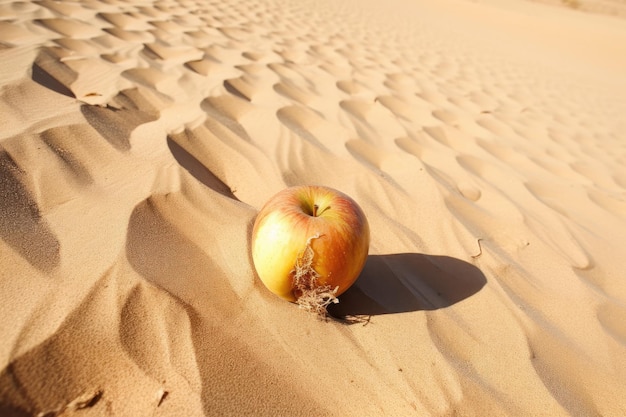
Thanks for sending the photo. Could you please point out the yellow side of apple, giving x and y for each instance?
(273, 258)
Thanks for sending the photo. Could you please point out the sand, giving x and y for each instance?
(485, 141)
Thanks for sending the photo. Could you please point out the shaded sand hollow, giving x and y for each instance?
(485, 140)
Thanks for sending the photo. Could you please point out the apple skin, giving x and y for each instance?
(287, 221)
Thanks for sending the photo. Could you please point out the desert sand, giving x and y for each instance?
(485, 141)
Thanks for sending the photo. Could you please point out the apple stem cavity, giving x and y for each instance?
(316, 208)
(311, 296)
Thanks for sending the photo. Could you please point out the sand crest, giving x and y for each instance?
(484, 140)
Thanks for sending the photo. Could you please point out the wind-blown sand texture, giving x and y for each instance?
(484, 140)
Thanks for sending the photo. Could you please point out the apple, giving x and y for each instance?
(310, 240)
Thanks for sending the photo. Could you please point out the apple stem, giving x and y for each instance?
(315, 208)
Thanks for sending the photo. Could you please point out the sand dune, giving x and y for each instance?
(484, 140)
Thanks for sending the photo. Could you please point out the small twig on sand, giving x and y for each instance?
(162, 394)
(480, 248)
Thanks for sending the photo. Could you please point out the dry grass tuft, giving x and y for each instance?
(312, 296)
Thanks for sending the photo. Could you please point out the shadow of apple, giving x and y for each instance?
(404, 282)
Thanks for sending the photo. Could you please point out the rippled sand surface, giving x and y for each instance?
(485, 141)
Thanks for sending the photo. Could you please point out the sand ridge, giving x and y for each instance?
(139, 140)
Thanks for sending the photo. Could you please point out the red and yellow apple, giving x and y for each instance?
(317, 221)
